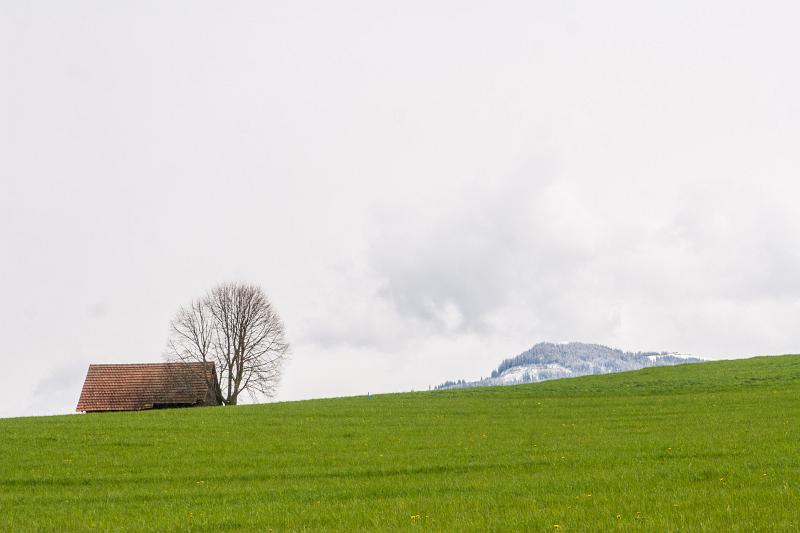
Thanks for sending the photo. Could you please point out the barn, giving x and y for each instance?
(136, 387)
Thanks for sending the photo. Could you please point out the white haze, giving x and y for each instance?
(423, 188)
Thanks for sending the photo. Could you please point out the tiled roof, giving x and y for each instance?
(133, 387)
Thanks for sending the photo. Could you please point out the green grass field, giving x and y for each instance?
(702, 447)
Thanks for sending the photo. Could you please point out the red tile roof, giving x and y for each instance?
(132, 387)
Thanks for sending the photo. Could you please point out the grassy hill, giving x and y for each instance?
(709, 446)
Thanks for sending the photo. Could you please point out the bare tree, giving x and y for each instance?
(236, 327)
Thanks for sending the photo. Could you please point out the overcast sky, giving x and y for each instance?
(422, 188)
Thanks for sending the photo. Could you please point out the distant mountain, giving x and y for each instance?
(547, 360)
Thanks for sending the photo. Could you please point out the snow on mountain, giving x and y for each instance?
(548, 360)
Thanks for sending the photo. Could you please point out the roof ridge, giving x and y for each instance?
(155, 364)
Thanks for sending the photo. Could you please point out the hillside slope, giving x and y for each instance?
(547, 360)
(709, 446)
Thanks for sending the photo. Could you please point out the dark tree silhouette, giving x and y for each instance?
(236, 327)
